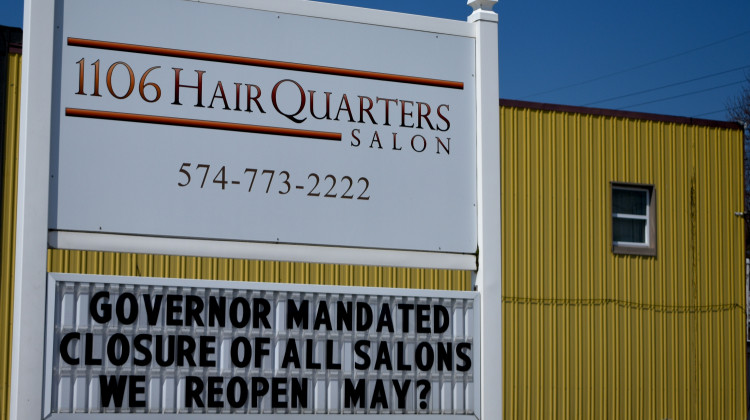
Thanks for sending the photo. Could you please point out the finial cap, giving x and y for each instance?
(482, 4)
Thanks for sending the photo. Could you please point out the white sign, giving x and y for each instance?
(97, 156)
(166, 346)
(191, 120)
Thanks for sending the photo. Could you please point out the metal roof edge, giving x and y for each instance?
(514, 103)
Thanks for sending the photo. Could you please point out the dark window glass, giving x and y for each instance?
(628, 230)
(629, 202)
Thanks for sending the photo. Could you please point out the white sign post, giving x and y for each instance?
(488, 274)
(331, 134)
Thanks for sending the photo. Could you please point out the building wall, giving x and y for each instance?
(110, 263)
(10, 76)
(588, 334)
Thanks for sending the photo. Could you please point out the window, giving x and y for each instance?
(633, 219)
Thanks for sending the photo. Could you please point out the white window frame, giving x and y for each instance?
(647, 248)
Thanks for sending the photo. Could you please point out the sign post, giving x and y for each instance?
(488, 274)
(33, 193)
(347, 136)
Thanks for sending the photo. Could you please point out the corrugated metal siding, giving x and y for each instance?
(109, 263)
(588, 334)
(8, 227)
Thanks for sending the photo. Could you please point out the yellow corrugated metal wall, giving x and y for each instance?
(109, 263)
(592, 335)
(8, 227)
(587, 334)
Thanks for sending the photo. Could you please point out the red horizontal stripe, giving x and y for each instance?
(187, 122)
(258, 62)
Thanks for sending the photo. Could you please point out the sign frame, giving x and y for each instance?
(53, 278)
(115, 161)
(65, 239)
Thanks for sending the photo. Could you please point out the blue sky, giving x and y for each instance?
(671, 57)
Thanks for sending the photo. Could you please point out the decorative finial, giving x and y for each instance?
(482, 4)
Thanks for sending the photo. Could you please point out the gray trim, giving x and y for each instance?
(646, 250)
(615, 113)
